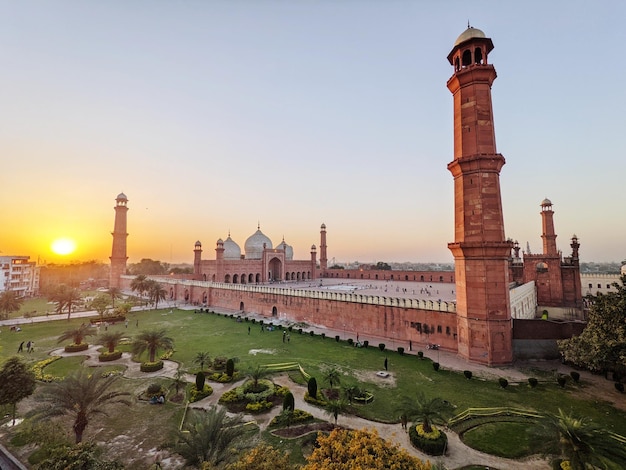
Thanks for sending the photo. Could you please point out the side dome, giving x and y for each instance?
(254, 245)
(231, 249)
(546, 202)
(288, 249)
(469, 33)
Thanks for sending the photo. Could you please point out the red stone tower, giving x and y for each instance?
(323, 257)
(548, 235)
(481, 252)
(118, 252)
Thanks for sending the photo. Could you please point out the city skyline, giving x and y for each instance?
(214, 118)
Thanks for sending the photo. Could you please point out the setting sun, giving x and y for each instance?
(63, 246)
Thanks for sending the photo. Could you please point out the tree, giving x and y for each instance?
(382, 266)
(151, 341)
(335, 408)
(148, 267)
(210, 436)
(9, 303)
(428, 411)
(602, 344)
(82, 456)
(345, 449)
(257, 374)
(202, 358)
(584, 443)
(110, 339)
(263, 457)
(76, 334)
(332, 376)
(179, 380)
(65, 297)
(81, 396)
(156, 292)
(18, 382)
(115, 293)
(139, 284)
(100, 304)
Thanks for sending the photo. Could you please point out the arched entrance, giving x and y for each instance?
(275, 269)
(241, 306)
(274, 311)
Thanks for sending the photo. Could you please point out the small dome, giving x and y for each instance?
(231, 249)
(198, 244)
(121, 197)
(254, 245)
(469, 33)
(288, 249)
(546, 202)
(219, 242)
(323, 227)
(313, 248)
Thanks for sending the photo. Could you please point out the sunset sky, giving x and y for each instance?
(215, 116)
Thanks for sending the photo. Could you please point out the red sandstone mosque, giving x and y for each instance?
(479, 326)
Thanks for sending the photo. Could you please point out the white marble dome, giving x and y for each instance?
(288, 249)
(254, 245)
(469, 33)
(231, 249)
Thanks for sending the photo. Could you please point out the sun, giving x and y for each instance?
(63, 246)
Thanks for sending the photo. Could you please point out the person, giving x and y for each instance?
(248, 330)
(288, 338)
(31, 348)
(21, 348)
(126, 323)
(284, 335)
(404, 421)
(137, 323)
(161, 399)
(28, 346)
(386, 364)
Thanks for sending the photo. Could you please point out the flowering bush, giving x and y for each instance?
(297, 417)
(230, 396)
(432, 435)
(107, 356)
(39, 366)
(259, 406)
(151, 366)
(565, 465)
(195, 394)
(167, 354)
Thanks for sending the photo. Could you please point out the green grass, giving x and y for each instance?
(505, 439)
(223, 336)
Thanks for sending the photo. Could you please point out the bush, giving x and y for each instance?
(435, 446)
(312, 333)
(195, 395)
(259, 407)
(575, 376)
(350, 341)
(219, 363)
(153, 390)
(299, 331)
(420, 354)
(504, 383)
(532, 382)
(70, 348)
(467, 374)
(366, 343)
(323, 335)
(337, 338)
(436, 366)
(290, 328)
(312, 387)
(561, 380)
(401, 350)
(200, 378)
(619, 386)
(230, 367)
(381, 346)
(289, 402)
(107, 356)
(151, 366)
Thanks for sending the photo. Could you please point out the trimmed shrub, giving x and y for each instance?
(107, 356)
(289, 402)
(619, 386)
(200, 378)
(350, 341)
(467, 374)
(70, 348)
(381, 346)
(561, 380)
(420, 354)
(290, 328)
(366, 343)
(312, 333)
(153, 390)
(337, 338)
(259, 406)
(219, 363)
(195, 395)
(532, 382)
(151, 366)
(323, 335)
(430, 446)
(575, 376)
(312, 387)
(401, 350)
(230, 367)
(436, 366)
(504, 383)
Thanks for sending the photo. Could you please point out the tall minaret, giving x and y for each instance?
(118, 252)
(548, 235)
(323, 258)
(481, 252)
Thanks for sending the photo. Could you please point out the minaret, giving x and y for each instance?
(118, 252)
(323, 258)
(548, 235)
(197, 259)
(480, 250)
(313, 262)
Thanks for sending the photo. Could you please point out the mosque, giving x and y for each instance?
(478, 326)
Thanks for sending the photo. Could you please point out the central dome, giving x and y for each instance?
(469, 33)
(231, 249)
(254, 245)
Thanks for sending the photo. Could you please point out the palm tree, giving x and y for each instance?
(9, 303)
(211, 436)
(71, 298)
(257, 374)
(139, 284)
(156, 293)
(77, 334)
(179, 379)
(115, 293)
(110, 339)
(336, 407)
(584, 443)
(332, 376)
(80, 395)
(428, 411)
(151, 341)
(202, 358)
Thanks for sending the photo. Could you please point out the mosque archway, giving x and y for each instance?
(275, 269)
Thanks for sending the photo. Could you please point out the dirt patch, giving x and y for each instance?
(301, 430)
(371, 377)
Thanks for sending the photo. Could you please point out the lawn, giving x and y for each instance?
(221, 335)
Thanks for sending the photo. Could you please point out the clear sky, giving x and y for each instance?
(214, 116)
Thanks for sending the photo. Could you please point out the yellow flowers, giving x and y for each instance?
(38, 369)
(433, 435)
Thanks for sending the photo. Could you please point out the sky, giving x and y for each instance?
(215, 117)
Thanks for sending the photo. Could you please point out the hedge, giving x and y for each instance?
(151, 366)
(108, 356)
(71, 348)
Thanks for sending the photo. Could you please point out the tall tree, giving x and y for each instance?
(139, 284)
(602, 344)
(332, 376)
(76, 334)
(67, 297)
(427, 410)
(156, 292)
(148, 267)
(202, 358)
(115, 293)
(211, 436)
(9, 303)
(18, 382)
(151, 341)
(100, 304)
(81, 396)
(336, 407)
